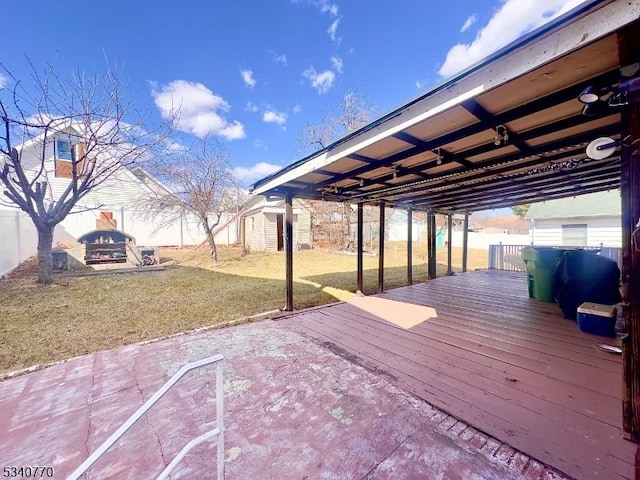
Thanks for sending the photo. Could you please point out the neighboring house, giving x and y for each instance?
(118, 198)
(264, 224)
(591, 220)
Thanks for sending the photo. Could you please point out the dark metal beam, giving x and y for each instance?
(360, 276)
(489, 120)
(504, 117)
(381, 250)
(533, 197)
(503, 186)
(431, 245)
(629, 52)
(449, 243)
(410, 246)
(541, 150)
(288, 250)
(465, 242)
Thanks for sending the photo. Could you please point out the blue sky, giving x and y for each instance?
(254, 73)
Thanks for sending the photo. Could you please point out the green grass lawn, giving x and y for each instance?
(79, 315)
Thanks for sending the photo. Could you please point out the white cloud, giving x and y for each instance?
(261, 144)
(512, 20)
(247, 78)
(252, 107)
(255, 172)
(197, 109)
(325, 6)
(172, 146)
(337, 64)
(282, 58)
(470, 21)
(333, 30)
(296, 109)
(3, 81)
(322, 81)
(271, 116)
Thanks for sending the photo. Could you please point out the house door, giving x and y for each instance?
(280, 231)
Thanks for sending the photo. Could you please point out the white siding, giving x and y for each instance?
(19, 239)
(254, 232)
(605, 231)
(265, 236)
(303, 226)
(270, 232)
(482, 240)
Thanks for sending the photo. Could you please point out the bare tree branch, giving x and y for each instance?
(89, 113)
(198, 182)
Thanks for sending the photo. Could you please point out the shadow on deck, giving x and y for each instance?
(504, 363)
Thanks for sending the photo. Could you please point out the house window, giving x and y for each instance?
(574, 235)
(63, 149)
(65, 156)
(252, 223)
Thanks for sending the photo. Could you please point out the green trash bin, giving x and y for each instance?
(541, 263)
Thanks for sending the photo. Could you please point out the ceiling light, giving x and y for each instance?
(591, 94)
(502, 135)
(601, 148)
(438, 155)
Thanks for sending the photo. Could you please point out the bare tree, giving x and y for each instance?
(352, 113)
(199, 181)
(63, 141)
(332, 220)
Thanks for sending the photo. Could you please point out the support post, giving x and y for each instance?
(381, 250)
(465, 242)
(288, 251)
(360, 276)
(431, 245)
(410, 246)
(629, 51)
(449, 243)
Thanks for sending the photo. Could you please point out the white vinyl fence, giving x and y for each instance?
(18, 239)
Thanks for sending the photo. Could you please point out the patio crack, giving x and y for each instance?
(90, 402)
(146, 415)
(375, 467)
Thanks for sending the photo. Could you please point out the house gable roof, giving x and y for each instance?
(589, 205)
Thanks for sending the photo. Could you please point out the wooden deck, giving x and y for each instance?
(502, 362)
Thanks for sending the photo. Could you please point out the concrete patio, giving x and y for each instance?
(293, 409)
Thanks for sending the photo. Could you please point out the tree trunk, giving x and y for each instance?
(214, 249)
(45, 262)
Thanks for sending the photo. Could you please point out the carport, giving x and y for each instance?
(507, 131)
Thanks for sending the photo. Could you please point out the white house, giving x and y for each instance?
(118, 197)
(591, 220)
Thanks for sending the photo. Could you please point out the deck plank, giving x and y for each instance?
(506, 364)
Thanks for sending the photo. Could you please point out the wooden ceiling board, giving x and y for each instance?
(482, 138)
(445, 122)
(594, 59)
(313, 178)
(558, 112)
(568, 132)
(497, 152)
(425, 157)
(344, 165)
(384, 148)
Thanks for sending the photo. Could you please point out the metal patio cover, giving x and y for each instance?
(443, 151)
